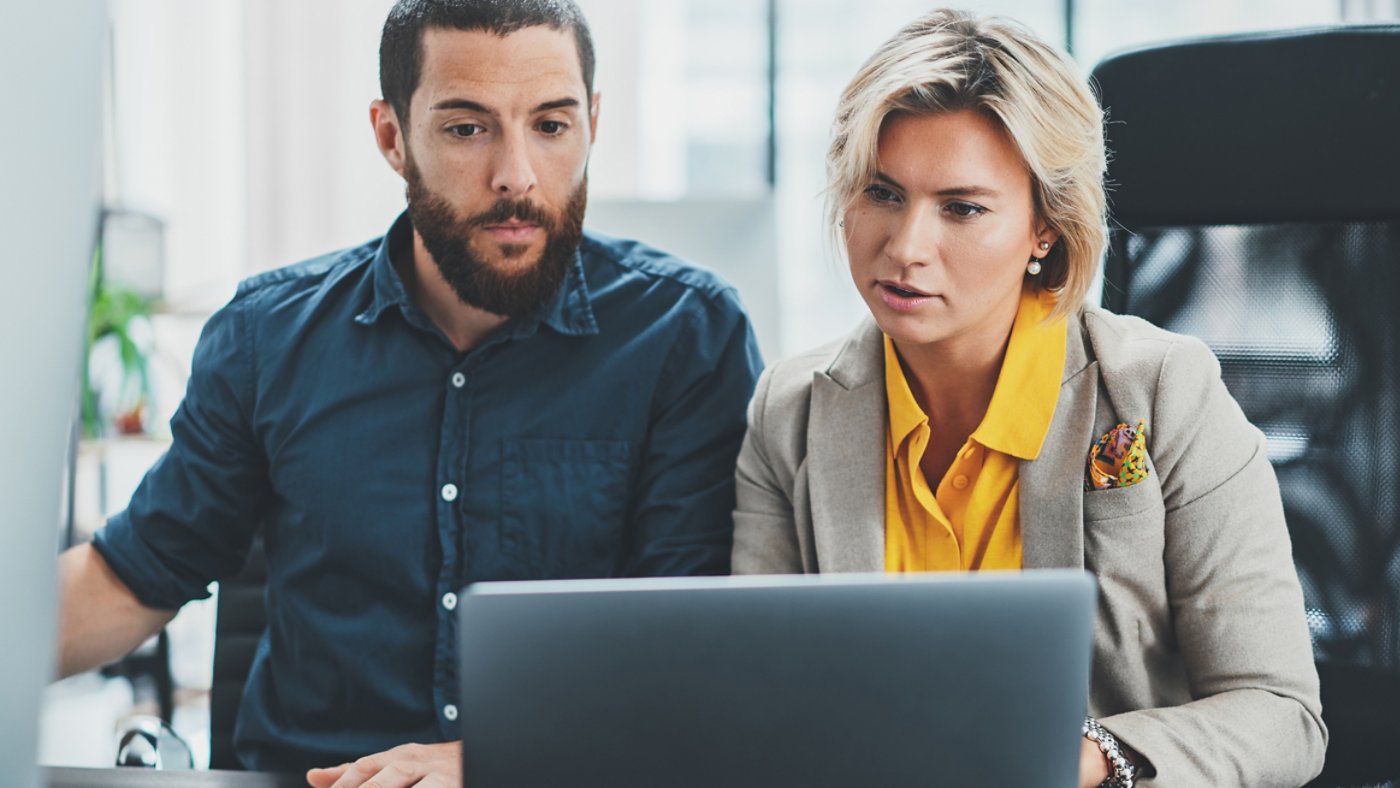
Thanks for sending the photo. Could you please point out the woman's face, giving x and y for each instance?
(939, 241)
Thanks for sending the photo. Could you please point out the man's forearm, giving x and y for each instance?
(100, 619)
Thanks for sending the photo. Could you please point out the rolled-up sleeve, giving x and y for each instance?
(192, 518)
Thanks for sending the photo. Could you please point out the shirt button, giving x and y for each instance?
(449, 600)
(458, 380)
(449, 492)
(959, 482)
(450, 712)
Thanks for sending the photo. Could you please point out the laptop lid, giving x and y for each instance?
(831, 680)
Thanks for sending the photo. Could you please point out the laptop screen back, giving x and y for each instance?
(814, 681)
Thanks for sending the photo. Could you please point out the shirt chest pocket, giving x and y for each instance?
(564, 505)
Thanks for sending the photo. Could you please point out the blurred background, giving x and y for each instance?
(237, 140)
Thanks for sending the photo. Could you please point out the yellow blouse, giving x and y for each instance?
(972, 521)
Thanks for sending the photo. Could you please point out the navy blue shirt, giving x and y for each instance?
(388, 470)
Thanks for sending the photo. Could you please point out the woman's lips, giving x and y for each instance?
(902, 298)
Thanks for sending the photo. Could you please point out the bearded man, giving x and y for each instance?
(485, 393)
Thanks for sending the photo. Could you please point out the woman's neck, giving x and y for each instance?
(953, 380)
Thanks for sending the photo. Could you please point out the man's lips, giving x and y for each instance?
(512, 231)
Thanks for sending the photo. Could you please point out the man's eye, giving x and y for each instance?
(465, 130)
(553, 127)
(881, 194)
(965, 209)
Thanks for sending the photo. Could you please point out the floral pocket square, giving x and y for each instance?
(1119, 459)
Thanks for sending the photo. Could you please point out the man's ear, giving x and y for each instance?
(593, 118)
(388, 134)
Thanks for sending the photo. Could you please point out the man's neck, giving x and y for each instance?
(465, 326)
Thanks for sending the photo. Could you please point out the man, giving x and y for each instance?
(485, 393)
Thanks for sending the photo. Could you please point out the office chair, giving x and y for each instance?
(1254, 186)
(241, 620)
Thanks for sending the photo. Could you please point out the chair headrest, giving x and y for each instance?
(1294, 126)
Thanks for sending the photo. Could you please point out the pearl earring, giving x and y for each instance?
(1044, 246)
(1033, 267)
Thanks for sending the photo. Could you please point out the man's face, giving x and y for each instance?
(495, 158)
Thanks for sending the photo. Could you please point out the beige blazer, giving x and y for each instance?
(1202, 658)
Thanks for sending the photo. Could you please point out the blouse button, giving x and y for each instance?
(959, 482)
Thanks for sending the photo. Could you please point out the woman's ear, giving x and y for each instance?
(1046, 235)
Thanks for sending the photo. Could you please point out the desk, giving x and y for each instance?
(68, 777)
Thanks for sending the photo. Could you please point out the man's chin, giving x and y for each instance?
(510, 258)
(511, 253)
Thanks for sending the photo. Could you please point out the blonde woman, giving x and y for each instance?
(985, 418)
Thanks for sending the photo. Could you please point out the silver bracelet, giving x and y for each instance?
(1123, 770)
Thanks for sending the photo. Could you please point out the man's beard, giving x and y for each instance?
(477, 282)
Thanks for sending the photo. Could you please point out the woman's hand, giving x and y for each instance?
(1093, 765)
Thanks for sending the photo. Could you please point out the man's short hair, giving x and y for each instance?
(401, 45)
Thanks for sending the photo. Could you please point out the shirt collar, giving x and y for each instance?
(570, 311)
(905, 413)
(1028, 386)
(388, 289)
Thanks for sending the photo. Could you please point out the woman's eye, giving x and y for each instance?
(878, 193)
(965, 210)
(465, 130)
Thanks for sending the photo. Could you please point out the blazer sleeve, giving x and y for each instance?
(765, 528)
(1255, 717)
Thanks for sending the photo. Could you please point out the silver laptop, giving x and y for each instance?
(832, 680)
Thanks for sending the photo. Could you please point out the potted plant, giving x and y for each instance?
(116, 377)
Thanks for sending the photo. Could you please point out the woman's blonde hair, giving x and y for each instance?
(951, 60)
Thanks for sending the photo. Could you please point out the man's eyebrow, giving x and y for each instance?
(563, 103)
(474, 106)
(462, 104)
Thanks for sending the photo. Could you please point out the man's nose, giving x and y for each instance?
(513, 175)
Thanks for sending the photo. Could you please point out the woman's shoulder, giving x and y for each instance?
(1129, 348)
(783, 399)
(1173, 381)
(850, 361)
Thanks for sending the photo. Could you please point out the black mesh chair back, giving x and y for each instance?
(1255, 201)
(241, 620)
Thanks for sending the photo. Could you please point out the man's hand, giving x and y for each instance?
(1093, 765)
(422, 765)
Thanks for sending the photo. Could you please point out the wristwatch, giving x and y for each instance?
(1123, 769)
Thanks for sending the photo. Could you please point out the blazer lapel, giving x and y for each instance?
(1052, 485)
(846, 456)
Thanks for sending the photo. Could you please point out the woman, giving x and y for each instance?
(986, 419)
